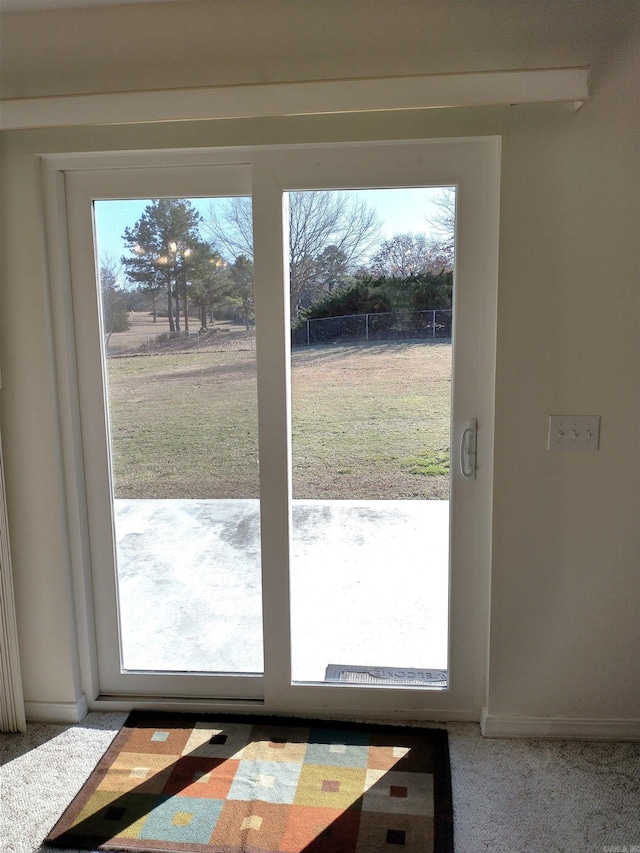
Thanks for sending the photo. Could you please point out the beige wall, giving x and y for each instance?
(565, 581)
(248, 41)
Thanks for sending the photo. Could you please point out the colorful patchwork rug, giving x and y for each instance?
(235, 784)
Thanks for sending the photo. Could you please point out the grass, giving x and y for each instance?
(430, 463)
(368, 422)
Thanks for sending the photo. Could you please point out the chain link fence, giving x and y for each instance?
(351, 328)
(391, 326)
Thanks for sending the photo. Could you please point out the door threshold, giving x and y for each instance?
(127, 702)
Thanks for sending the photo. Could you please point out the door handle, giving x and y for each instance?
(468, 450)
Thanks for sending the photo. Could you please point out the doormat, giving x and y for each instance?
(239, 784)
(386, 675)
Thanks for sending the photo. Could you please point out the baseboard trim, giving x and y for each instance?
(558, 728)
(57, 712)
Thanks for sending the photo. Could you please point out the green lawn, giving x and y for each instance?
(368, 422)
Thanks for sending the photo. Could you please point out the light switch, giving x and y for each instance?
(573, 432)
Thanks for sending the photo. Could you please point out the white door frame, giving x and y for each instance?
(472, 165)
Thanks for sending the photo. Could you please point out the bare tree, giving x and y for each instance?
(443, 223)
(230, 227)
(407, 255)
(317, 219)
(115, 316)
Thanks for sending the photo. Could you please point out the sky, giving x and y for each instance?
(401, 211)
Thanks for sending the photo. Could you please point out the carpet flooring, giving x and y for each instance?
(508, 795)
(221, 784)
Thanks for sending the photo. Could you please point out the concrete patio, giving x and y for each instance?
(369, 585)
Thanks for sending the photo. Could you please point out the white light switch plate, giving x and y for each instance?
(573, 432)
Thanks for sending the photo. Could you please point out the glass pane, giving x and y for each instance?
(371, 303)
(180, 371)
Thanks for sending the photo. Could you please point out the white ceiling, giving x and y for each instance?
(26, 5)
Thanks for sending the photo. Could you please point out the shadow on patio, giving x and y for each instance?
(369, 585)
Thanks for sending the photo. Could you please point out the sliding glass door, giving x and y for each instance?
(276, 370)
(174, 491)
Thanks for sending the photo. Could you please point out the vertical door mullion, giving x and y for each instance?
(271, 287)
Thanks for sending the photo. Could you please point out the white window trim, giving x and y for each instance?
(278, 697)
